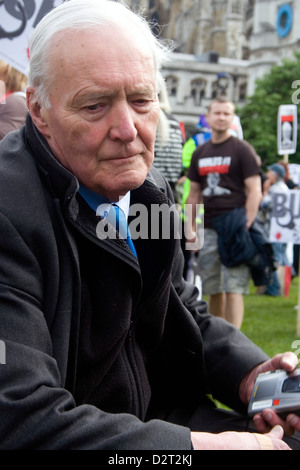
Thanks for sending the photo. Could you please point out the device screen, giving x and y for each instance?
(291, 385)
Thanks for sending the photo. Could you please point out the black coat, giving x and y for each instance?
(152, 344)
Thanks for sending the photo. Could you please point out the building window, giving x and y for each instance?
(172, 85)
(198, 90)
(243, 91)
(237, 7)
(214, 90)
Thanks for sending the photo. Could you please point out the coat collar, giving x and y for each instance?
(62, 183)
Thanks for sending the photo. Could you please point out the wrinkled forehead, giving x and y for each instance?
(97, 60)
(72, 44)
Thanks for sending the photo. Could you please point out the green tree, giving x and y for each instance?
(259, 115)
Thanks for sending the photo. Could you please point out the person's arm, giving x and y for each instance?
(37, 411)
(12, 114)
(253, 197)
(232, 440)
(193, 200)
(270, 426)
(268, 418)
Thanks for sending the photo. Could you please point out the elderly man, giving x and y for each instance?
(106, 348)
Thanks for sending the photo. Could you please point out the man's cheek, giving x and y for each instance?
(78, 132)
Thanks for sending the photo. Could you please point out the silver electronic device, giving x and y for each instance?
(277, 390)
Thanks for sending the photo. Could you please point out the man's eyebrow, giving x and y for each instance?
(144, 90)
(93, 96)
(90, 96)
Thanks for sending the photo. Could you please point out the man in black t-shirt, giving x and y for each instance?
(224, 175)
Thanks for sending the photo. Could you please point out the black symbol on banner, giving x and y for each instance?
(23, 11)
(18, 11)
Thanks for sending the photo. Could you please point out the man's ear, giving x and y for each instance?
(37, 112)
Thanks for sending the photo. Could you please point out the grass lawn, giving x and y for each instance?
(271, 322)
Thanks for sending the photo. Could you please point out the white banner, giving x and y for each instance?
(18, 18)
(294, 171)
(285, 218)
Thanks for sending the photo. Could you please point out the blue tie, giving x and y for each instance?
(117, 218)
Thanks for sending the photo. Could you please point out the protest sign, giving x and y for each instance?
(18, 18)
(285, 217)
(294, 171)
(285, 225)
(287, 129)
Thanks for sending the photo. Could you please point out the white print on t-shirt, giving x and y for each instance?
(213, 165)
(212, 188)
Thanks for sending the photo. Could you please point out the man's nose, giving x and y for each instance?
(123, 123)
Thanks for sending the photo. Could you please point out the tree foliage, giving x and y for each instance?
(259, 115)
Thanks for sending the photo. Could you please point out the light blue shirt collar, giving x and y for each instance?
(101, 204)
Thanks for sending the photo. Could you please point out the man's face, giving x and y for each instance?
(220, 117)
(104, 109)
(272, 176)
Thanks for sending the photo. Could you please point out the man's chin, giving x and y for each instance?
(118, 193)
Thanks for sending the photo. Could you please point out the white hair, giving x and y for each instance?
(163, 128)
(85, 15)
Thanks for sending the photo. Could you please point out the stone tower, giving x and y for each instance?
(199, 26)
(210, 45)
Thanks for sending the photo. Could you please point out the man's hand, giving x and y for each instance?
(240, 441)
(266, 420)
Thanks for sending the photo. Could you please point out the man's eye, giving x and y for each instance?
(142, 103)
(93, 107)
